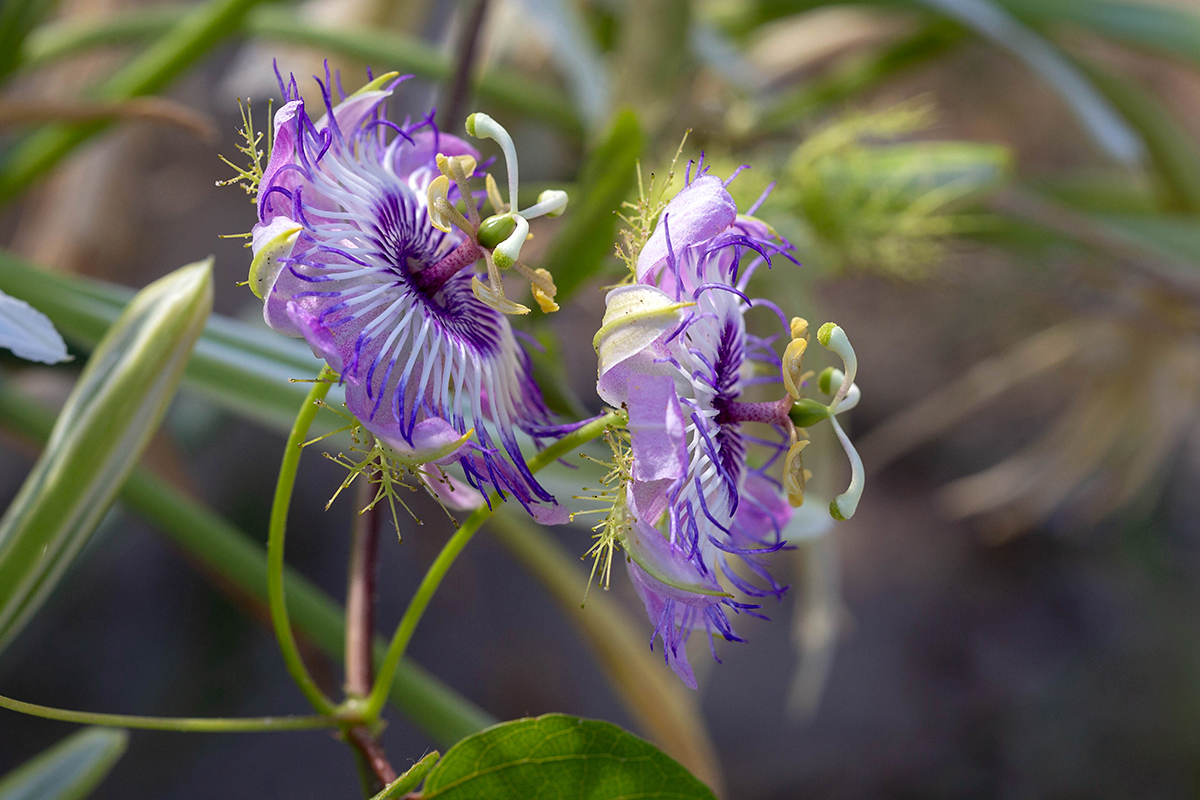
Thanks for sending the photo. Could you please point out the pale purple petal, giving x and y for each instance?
(699, 212)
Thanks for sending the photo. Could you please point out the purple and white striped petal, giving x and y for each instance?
(342, 242)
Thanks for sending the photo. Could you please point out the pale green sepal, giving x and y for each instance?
(107, 421)
(68, 771)
(267, 262)
(640, 551)
(375, 85)
(417, 458)
(635, 317)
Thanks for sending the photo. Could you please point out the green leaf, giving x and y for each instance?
(586, 237)
(556, 756)
(68, 771)
(409, 780)
(108, 420)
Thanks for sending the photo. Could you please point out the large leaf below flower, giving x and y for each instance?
(556, 756)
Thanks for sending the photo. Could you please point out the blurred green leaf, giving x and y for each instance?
(859, 74)
(1172, 150)
(1158, 26)
(556, 756)
(1173, 237)
(177, 49)
(68, 771)
(243, 368)
(66, 37)
(107, 421)
(17, 19)
(383, 49)
(587, 235)
(993, 22)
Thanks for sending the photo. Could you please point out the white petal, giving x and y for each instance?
(29, 333)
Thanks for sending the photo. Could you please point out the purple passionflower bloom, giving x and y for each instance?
(675, 353)
(346, 257)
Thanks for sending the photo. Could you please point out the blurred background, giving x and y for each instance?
(998, 200)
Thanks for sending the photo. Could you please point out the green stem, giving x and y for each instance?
(275, 536)
(237, 565)
(433, 577)
(180, 724)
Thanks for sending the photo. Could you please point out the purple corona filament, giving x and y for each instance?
(347, 258)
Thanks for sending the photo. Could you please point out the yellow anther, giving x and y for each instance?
(793, 367)
(451, 166)
(794, 474)
(545, 300)
(439, 188)
(799, 328)
(496, 299)
(493, 194)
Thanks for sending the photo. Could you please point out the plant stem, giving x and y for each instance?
(275, 536)
(433, 577)
(361, 738)
(237, 565)
(460, 85)
(360, 592)
(179, 724)
(374, 768)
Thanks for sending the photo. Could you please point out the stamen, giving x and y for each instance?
(793, 367)
(460, 168)
(795, 476)
(439, 189)
(448, 213)
(493, 194)
(492, 295)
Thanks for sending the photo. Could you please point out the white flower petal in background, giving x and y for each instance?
(29, 333)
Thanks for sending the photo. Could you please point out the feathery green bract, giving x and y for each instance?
(108, 420)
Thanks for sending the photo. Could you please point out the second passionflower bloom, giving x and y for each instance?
(353, 253)
(697, 518)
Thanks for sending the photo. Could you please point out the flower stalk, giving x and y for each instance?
(276, 532)
(585, 433)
